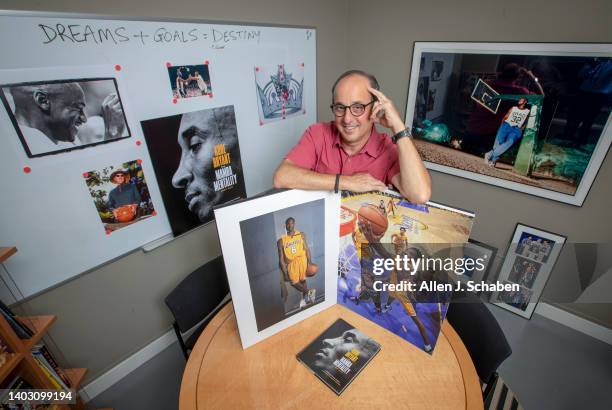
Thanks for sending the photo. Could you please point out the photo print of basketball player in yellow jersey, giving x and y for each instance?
(285, 259)
(295, 262)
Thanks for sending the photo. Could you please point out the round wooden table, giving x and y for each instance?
(221, 375)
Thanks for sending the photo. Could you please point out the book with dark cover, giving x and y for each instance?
(18, 383)
(19, 328)
(23, 332)
(339, 354)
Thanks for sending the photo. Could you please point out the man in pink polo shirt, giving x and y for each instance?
(350, 154)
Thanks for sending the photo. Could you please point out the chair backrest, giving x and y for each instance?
(480, 333)
(198, 294)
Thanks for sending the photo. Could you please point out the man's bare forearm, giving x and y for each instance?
(414, 182)
(289, 175)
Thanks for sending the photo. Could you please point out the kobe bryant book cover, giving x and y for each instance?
(197, 163)
(339, 354)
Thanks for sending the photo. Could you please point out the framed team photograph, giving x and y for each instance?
(281, 265)
(51, 117)
(530, 117)
(530, 259)
(474, 249)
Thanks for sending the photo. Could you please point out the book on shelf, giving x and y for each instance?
(22, 331)
(53, 373)
(55, 381)
(18, 383)
(339, 354)
(54, 366)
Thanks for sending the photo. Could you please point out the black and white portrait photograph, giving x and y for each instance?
(57, 116)
(196, 157)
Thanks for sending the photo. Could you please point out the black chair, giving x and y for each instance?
(197, 296)
(481, 334)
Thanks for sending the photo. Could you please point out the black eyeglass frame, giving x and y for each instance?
(350, 107)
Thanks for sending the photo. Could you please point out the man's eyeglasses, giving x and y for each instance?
(356, 109)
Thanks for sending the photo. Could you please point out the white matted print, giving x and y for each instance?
(280, 92)
(281, 268)
(531, 117)
(531, 256)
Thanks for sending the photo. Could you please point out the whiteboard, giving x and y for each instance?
(47, 210)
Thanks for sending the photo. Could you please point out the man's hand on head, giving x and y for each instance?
(385, 113)
(361, 182)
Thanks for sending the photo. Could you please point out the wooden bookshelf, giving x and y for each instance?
(39, 325)
(75, 376)
(11, 363)
(6, 252)
(21, 362)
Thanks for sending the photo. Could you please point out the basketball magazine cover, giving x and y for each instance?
(379, 225)
(339, 354)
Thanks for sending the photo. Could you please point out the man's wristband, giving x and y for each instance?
(337, 184)
(403, 133)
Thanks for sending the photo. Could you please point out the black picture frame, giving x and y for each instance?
(5, 101)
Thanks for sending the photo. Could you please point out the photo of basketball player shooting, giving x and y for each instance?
(295, 263)
(404, 297)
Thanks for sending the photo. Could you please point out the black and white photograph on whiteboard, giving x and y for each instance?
(189, 81)
(280, 92)
(197, 163)
(120, 195)
(58, 116)
(285, 247)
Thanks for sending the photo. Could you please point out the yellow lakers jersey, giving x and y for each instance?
(362, 245)
(293, 246)
(400, 238)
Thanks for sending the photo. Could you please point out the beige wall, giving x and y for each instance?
(382, 38)
(112, 312)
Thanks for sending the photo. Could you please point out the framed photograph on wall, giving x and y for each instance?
(281, 265)
(474, 249)
(531, 117)
(530, 259)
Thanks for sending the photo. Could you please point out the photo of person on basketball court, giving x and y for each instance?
(295, 262)
(511, 130)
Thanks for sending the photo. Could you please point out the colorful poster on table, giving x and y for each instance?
(399, 229)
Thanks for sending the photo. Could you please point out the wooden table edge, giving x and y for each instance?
(471, 382)
(189, 383)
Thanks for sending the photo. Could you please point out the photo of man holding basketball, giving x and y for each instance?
(295, 263)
